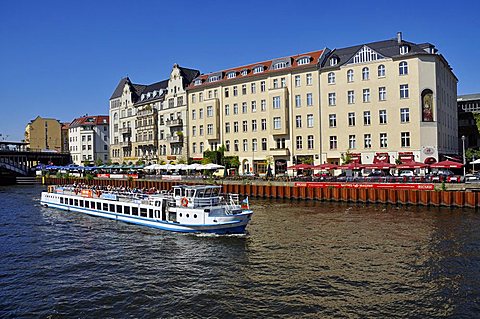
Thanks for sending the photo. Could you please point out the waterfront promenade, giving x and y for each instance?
(425, 194)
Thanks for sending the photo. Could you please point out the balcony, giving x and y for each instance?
(125, 130)
(279, 152)
(174, 138)
(172, 123)
(146, 112)
(126, 144)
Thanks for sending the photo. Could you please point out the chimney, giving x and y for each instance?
(399, 37)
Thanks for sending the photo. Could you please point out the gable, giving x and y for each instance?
(365, 54)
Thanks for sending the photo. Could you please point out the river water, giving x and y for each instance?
(299, 259)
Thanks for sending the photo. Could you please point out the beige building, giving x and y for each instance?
(44, 134)
(265, 113)
(145, 119)
(388, 97)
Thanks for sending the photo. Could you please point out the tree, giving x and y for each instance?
(346, 157)
(98, 162)
(471, 154)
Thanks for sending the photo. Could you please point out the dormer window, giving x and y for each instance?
(231, 75)
(214, 78)
(148, 95)
(244, 72)
(280, 65)
(258, 69)
(143, 97)
(304, 60)
(198, 82)
(404, 49)
(333, 61)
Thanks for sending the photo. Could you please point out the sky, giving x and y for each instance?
(63, 59)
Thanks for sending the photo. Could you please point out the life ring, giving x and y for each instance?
(184, 202)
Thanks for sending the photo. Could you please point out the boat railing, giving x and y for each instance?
(93, 193)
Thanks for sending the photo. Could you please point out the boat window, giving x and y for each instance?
(71, 202)
(119, 209)
(112, 208)
(201, 193)
(105, 206)
(75, 202)
(188, 215)
(143, 212)
(81, 203)
(180, 214)
(194, 215)
(208, 192)
(126, 210)
(99, 205)
(150, 213)
(61, 200)
(87, 204)
(135, 211)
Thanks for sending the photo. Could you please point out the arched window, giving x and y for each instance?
(280, 65)
(115, 116)
(304, 60)
(333, 61)
(350, 76)
(365, 73)
(258, 69)
(404, 49)
(331, 78)
(403, 68)
(231, 75)
(381, 70)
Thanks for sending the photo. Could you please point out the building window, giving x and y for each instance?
(309, 120)
(366, 95)
(209, 94)
(254, 125)
(194, 131)
(235, 127)
(298, 121)
(275, 83)
(310, 142)
(276, 102)
(283, 82)
(299, 143)
(262, 86)
(350, 76)
(263, 105)
(244, 107)
(366, 118)
(235, 108)
(227, 109)
(367, 140)
(254, 145)
(404, 91)
(264, 124)
(194, 98)
(298, 101)
(405, 136)
(351, 97)
(333, 142)
(210, 129)
(331, 78)
(254, 106)
(245, 145)
(404, 49)
(382, 116)
(200, 113)
(403, 68)
(245, 126)
(257, 69)
(297, 80)
(244, 89)
(235, 91)
(383, 140)
(253, 88)
(227, 146)
(264, 144)
(227, 127)
(405, 115)
(214, 78)
(332, 120)
(382, 93)
(305, 60)
(333, 61)
(231, 75)
(277, 125)
(209, 111)
(365, 73)
(309, 99)
(351, 119)
(226, 92)
(200, 130)
(309, 78)
(235, 145)
(351, 142)
(200, 97)
(244, 72)
(332, 99)
(381, 71)
(194, 147)
(201, 147)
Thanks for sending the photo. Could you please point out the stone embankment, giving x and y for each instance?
(452, 195)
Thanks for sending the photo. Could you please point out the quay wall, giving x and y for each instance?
(284, 190)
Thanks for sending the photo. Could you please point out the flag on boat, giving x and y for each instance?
(245, 204)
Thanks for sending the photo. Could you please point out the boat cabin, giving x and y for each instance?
(197, 195)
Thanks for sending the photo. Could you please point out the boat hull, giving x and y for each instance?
(235, 226)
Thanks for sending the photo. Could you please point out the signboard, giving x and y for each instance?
(134, 176)
(109, 196)
(171, 177)
(366, 185)
(103, 175)
(86, 193)
(117, 176)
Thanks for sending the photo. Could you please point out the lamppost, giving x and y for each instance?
(464, 162)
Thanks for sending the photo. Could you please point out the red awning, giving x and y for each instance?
(352, 166)
(300, 166)
(411, 165)
(447, 164)
(380, 165)
(326, 166)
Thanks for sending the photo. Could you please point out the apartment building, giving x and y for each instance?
(45, 134)
(89, 139)
(390, 96)
(146, 119)
(266, 112)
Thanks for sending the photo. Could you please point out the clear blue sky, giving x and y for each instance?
(63, 59)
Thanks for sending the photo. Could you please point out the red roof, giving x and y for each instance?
(90, 120)
(314, 56)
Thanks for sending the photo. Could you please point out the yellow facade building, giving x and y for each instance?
(45, 134)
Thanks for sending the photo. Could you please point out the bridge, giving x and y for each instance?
(18, 160)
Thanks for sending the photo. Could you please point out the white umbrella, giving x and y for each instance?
(182, 166)
(477, 161)
(193, 166)
(213, 166)
(150, 166)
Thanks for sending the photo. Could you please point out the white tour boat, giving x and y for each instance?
(197, 209)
